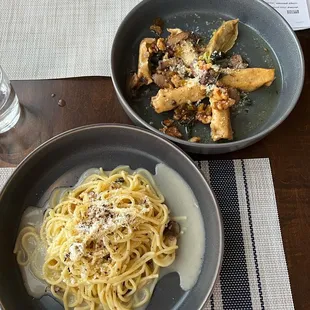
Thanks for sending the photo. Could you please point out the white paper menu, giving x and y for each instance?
(296, 12)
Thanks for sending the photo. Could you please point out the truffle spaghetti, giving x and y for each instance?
(103, 242)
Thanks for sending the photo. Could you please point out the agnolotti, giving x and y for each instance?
(249, 79)
(224, 38)
(220, 125)
(143, 76)
(168, 99)
(199, 82)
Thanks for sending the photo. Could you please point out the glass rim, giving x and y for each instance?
(3, 76)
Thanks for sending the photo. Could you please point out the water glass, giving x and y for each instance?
(9, 104)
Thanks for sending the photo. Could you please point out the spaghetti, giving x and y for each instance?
(104, 242)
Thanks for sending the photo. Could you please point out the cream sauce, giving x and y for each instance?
(183, 207)
(35, 287)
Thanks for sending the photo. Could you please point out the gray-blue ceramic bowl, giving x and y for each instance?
(265, 40)
(60, 161)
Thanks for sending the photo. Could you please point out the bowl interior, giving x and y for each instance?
(60, 162)
(265, 40)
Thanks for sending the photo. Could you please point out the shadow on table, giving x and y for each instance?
(23, 138)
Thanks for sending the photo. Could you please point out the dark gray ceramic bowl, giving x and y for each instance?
(265, 40)
(60, 161)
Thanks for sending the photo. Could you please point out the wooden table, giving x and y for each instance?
(93, 100)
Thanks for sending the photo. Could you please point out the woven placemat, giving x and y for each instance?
(47, 39)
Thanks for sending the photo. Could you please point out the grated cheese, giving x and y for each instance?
(76, 251)
(102, 217)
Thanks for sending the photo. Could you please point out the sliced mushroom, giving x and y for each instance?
(236, 62)
(161, 80)
(234, 94)
(176, 38)
(166, 63)
(173, 229)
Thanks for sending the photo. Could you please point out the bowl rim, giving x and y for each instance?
(169, 144)
(212, 146)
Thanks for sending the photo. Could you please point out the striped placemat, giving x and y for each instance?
(254, 272)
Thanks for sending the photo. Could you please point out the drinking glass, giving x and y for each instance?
(22, 128)
(9, 104)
